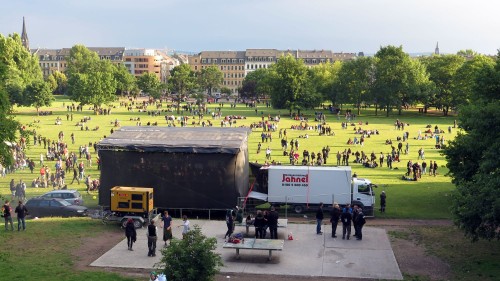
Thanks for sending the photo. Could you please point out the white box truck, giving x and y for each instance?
(305, 187)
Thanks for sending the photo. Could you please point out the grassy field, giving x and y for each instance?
(425, 199)
(43, 251)
(48, 254)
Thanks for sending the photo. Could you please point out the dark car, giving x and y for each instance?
(54, 207)
(72, 196)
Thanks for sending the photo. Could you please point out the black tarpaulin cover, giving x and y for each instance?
(200, 168)
(177, 139)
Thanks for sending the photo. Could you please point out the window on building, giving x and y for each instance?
(195, 67)
(203, 61)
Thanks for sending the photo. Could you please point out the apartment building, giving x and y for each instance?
(235, 65)
(230, 63)
(51, 60)
(140, 61)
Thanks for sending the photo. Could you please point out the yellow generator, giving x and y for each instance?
(132, 202)
(131, 199)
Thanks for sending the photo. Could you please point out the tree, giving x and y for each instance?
(398, 79)
(225, 91)
(355, 79)
(150, 84)
(441, 71)
(19, 67)
(466, 76)
(191, 259)
(210, 78)
(324, 77)
(290, 84)
(90, 80)
(61, 82)
(126, 82)
(256, 84)
(8, 128)
(182, 81)
(473, 162)
(38, 94)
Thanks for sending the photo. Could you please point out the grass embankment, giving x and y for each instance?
(44, 250)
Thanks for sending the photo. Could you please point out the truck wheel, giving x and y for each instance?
(137, 224)
(298, 209)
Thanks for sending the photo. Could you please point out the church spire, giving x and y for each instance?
(436, 51)
(24, 37)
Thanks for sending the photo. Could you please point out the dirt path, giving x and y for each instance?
(411, 256)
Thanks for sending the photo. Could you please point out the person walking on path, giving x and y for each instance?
(346, 219)
(152, 238)
(382, 201)
(335, 216)
(319, 218)
(167, 227)
(21, 215)
(229, 223)
(272, 222)
(75, 176)
(7, 215)
(130, 233)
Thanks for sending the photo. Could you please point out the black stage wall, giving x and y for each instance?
(199, 177)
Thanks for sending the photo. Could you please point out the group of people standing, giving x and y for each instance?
(152, 232)
(349, 216)
(21, 212)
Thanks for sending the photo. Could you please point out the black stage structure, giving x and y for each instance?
(189, 168)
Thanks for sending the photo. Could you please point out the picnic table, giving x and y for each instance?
(256, 244)
(282, 223)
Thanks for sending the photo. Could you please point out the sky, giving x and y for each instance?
(203, 25)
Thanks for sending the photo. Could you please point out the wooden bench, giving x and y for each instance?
(282, 223)
(256, 244)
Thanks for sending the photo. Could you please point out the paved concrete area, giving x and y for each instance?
(308, 254)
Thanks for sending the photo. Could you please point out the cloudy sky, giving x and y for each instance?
(196, 25)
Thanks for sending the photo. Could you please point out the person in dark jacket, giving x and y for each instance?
(152, 238)
(260, 224)
(335, 216)
(319, 218)
(382, 201)
(230, 216)
(272, 222)
(360, 222)
(355, 211)
(130, 233)
(21, 215)
(7, 215)
(346, 218)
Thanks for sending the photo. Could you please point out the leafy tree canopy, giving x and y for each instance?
(126, 82)
(472, 158)
(90, 80)
(210, 78)
(38, 94)
(182, 82)
(149, 83)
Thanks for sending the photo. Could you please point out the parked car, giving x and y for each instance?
(72, 196)
(54, 207)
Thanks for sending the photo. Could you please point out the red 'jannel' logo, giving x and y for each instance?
(295, 178)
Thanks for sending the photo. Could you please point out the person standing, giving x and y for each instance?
(382, 201)
(21, 215)
(167, 227)
(355, 212)
(346, 218)
(319, 218)
(152, 238)
(334, 219)
(7, 215)
(229, 223)
(75, 176)
(130, 233)
(434, 168)
(360, 222)
(260, 224)
(185, 226)
(272, 222)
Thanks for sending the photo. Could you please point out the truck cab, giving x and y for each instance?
(363, 195)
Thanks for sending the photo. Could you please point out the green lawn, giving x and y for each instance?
(428, 198)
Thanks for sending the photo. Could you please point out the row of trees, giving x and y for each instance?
(389, 80)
